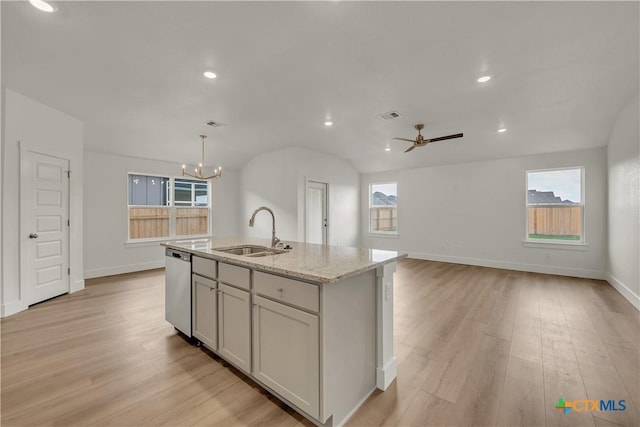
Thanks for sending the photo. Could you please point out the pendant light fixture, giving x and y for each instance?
(199, 171)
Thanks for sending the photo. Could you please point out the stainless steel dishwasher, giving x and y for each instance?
(177, 297)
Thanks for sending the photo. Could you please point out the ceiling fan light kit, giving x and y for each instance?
(199, 171)
(420, 141)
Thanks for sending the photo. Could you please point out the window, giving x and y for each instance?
(383, 208)
(156, 211)
(555, 205)
(149, 210)
(191, 193)
(192, 207)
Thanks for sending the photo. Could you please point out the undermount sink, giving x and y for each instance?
(250, 250)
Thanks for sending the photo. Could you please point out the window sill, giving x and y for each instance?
(384, 235)
(156, 240)
(571, 246)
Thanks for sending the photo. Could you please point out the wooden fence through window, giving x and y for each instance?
(190, 221)
(555, 220)
(384, 218)
(147, 223)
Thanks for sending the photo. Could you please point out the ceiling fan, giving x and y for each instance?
(421, 142)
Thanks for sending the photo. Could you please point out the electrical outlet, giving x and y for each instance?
(388, 291)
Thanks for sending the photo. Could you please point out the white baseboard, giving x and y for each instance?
(533, 268)
(13, 307)
(121, 269)
(76, 285)
(386, 374)
(624, 290)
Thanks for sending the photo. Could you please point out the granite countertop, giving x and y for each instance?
(305, 261)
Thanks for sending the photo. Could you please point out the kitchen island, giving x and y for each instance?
(312, 324)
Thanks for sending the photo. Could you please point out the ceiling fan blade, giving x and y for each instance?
(405, 139)
(410, 148)
(442, 138)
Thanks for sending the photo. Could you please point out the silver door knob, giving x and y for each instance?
(33, 236)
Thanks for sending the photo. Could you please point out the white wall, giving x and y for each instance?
(105, 204)
(344, 186)
(474, 213)
(43, 129)
(225, 204)
(278, 180)
(2, 136)
(623, 158)
(269, 180)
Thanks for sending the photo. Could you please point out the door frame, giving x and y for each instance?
(327, 206)
(25, 290)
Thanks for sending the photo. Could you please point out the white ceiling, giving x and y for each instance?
(132, 71)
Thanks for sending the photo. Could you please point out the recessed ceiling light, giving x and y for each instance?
(210, 75)
(387, 149)
(42, 5)
(328, 123)
(502, 130)
(484, 79)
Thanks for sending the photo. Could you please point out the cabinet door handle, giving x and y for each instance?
(33, 236)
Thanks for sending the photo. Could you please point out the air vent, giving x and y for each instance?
(389, 115)
(215, 124)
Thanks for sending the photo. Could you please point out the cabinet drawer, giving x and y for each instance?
(291, 291)
(233, 275)
(203, 266)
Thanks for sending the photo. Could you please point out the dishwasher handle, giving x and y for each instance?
(183, 256)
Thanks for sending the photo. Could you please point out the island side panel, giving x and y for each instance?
(348, 345)
(387, 365)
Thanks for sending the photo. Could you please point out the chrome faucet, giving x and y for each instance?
(274, 240)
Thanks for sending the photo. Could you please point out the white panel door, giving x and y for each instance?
(316, 213)
(46, 192)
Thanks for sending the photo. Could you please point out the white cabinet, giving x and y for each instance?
(286, 353)
(234, 314)
(221, 314)
(320, 347)
(204, 313)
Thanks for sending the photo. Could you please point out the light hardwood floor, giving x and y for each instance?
(475, 346)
